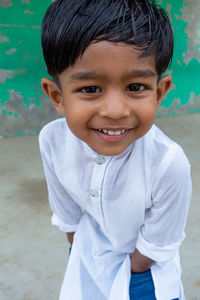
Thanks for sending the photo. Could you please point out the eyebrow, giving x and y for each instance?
(83, 75)
(88, 75)
(140, 73)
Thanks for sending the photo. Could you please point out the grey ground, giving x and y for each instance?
(33, 254)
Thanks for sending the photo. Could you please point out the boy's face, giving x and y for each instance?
(109, 97)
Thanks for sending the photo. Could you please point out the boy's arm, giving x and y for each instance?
(70, 237)
(160, 236)
(140, 263)
(66, 212)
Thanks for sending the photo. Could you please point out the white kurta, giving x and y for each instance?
(138, 199)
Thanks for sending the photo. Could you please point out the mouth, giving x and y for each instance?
(113, 132)
(112, 135)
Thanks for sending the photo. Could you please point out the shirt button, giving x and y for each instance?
(94, 193)
(100, 160)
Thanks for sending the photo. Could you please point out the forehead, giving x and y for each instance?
(111, 59)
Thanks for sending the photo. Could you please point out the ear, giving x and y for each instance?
(53, 91)
(163, 87)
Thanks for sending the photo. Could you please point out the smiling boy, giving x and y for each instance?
(113, 177)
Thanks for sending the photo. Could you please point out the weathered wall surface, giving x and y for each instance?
(184, 96)
(24, 108)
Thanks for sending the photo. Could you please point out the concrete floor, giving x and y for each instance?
(33, 254)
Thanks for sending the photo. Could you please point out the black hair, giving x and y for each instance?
(69, 26)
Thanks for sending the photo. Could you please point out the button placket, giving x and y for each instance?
(96, 184)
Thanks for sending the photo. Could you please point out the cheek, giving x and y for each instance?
(80, 110)
(77, 117)
(146, 116)
(147, 111)
(72, 110)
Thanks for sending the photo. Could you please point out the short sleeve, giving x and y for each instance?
(163, 229)
(66, 212)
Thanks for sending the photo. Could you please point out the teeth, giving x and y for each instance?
(118, 132)
(110, 132)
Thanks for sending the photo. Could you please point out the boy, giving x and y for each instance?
(113, 177)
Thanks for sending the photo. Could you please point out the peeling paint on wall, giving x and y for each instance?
(11, 51)
(4, 39)
(5, 74)
(176, 107)
(5, 3)
(28, 12)
(185, 70)
(191, 17)
(30, 120)
(24, 108)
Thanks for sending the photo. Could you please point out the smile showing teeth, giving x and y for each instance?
(111, 132)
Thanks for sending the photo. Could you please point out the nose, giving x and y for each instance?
(114, 106)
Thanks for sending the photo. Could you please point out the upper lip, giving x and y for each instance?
(113, 128)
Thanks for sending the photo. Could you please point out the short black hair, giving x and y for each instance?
(69, 26)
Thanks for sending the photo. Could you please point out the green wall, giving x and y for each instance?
(24, 108)
(184, 96)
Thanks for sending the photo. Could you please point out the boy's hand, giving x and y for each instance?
(140, 263)
(70, 237)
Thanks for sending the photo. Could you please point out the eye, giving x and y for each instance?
(90, 90)
(136, 87)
